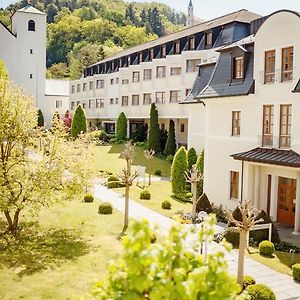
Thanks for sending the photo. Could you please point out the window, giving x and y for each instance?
(174, 96)
(160, 97)
(78, 88)
(31, 51)
(238, 68)
(83, 104)
(111, 101)
(124, 100)
(78, 103)
(31, 25)
(99, 103)
(285, 126)
(234, 185)
(236, 123)
(151, 54)
(84, 87)
(191, 43)
(117, 100)
(147, 98)
(90, 103)
(140, 57)
(269, 76)
(268, 122)
(100, 84)
(91, 85)
(192, 64)
(125, 81)
(208, 39)
(287, 64)
(30, 76)
(73, 89)
(188, 91)
(175, 71)
(177, 47)
(147, 74)
(72, 105)
(117, 80)
(181, 127)
(135, 100)
(135, 76)
(112, 81)
(161, 72)
(163, 51)
(58, 103)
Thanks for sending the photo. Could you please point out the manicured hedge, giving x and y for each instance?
(105, 208)
(296, 272)
(145, 195)
(266, 248)
(88, 198)
(260, 292)
(166, 205)
(232, 235)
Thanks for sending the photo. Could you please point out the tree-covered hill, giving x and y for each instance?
(82, 32)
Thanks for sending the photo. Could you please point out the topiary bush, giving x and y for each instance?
(200, 168)
(40, 121)
(157, 172)
(166, 205)
(266, 248)
(237, 215)
(112, 178)
(183, 197)
(88, 198)
(170, 148)
(260, 292)
(154, 130)
(296, 272)
(113, 184)
(145, 195)
(79, 124)
(203, 204)
(121, 127)
(248, 280)
(179, 166)
(232, 235)
(192, 157)
(105, 208)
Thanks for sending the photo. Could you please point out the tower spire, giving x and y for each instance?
(190, 18)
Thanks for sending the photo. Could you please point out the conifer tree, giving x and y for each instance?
(171, 141)
(79, 124)
(179, 166)
(122, 127)
(192, 157)
(156, 22)
(154, 131)
(40, 121)
(200, 168)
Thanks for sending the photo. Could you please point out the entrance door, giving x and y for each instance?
(285, 200)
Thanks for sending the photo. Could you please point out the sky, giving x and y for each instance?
(209, 9)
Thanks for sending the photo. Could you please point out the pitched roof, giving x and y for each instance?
(288, 158)
(297, 87)
(7, 29)
(30, 9)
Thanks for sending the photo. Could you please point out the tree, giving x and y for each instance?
(79, 124)
(156, 22)
(141, 268)
(179, 166)
(40, 121)
(200, 168)
(58, 71)
(3, 72)
(149, 155)
(130, 14)
(192, 157)
(154, 131)
(122, 127)
(171, 141)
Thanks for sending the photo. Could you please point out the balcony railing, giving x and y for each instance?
(277, 76)
(271, 141)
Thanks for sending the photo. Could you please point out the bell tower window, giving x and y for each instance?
(31, 25)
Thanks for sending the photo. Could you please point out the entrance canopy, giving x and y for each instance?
(288, 158)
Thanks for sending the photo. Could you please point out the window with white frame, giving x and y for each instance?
(192, 65)
(135, 100)
(147, 99)
(174, 96)
(160, 97)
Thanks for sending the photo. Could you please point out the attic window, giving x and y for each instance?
(238, 67)
(208, 39)
(31, 25)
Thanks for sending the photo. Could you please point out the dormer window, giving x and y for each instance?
(208, 39)
(31, 25)
(238, 67)
(177, 47)
(163, 51)
(191, 44)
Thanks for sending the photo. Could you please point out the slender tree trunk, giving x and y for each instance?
(149, 168)
(242, 246)
(9, 220)
(126, 215)
(12, 223)
(194, 199)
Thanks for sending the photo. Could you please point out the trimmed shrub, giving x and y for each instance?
(145, 195)
(40, 121)
(296, 272)
(191, 157)
(163, 136)
(232, 235)
(183, 197)
(220, 213)
(203, 204)
(154, 130)
(79, 122)
(248, 280)
(237, 215)
(88, 198)
(105, 208)
(266, 248)
(112, 178)
(113, 184)
(260, 292)
(122, 127)
(166, 205)
(157, 172)
(170, 148)
(200, 167)
(178, 168)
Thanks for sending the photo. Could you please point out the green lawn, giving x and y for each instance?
(62, 256)
(160, 191)
(107, 158)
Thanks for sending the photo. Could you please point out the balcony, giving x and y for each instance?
(278, 142)
(277, 76)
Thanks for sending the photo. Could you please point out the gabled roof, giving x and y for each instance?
(7, 29)
(297, 87)
(30, 9)
(288, 158)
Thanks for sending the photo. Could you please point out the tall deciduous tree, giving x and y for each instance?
(179, 166)
(122, 127)
(154, 131)
(40, 120)
(79, 124)
(171, 141)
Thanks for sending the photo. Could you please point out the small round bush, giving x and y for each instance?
(248, 280)
(260, 292)
(88, 198)
(145, 195)
(232, 235)
(105, 208)
(113, 184)
(153, 238)
(166, 205)
(112, 178)
(296, 272)
(266, 248)
(157, 172)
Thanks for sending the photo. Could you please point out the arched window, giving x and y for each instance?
(31, 25)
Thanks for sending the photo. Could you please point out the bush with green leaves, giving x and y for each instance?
(266, 248)
(112, 178)
(157, 172)
(200, 168)
(145, 195)
(183, 197)
(113, 184)
(260, 292)
(248, 280)
(203, 204)
(122, 127)
(79, 124)
(232, 235)
(179, 166)
(40, 121)
(192, 157)
(166, 204)
(170, 158)
(88, 198)
(105, 208)
(170, 148)
(296, 272)
(141, 268)
(154, 130)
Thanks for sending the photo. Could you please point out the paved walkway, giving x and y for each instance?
(283, 285)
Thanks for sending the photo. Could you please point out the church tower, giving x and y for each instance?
(190, 19)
